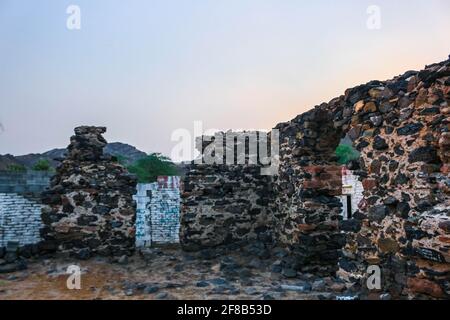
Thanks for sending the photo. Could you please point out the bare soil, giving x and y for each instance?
(157, 274)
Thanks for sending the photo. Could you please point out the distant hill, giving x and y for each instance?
(126, 152)
(7, 160)
(129, 153)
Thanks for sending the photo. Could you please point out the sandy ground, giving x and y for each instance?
(160, 274)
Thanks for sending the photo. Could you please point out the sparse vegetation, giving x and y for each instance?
(121, 159)
(16, 168)
(42, 165)
(346, 153)
(150, 167)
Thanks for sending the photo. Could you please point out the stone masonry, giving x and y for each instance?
(89, 206)
(223, 203)
(401, 127)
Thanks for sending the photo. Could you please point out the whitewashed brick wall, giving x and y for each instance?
(20, 208)
(157, 220)
(20, 219)
(353, 187)
(158, 212)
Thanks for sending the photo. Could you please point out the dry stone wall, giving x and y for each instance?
(307, 209)
(223, 204)
(401, 127)
(89, 208)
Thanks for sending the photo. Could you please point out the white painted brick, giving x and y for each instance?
(20, 219)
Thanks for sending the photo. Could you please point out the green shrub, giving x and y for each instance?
(42, 165)
(346, 153)
(150, 167)
(16, 168)
(121, 159)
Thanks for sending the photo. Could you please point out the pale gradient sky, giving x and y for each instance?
(144, 68)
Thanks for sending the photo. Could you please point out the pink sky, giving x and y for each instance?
(147, 68)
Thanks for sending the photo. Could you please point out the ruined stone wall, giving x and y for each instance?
(401, 128)
(20, 207)
(228, 201)
(223, 204)
(307, 210)
(89, 207)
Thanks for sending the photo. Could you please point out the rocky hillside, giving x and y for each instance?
(125, 151)
(7, 160)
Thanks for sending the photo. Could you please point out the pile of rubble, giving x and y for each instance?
(13, 257)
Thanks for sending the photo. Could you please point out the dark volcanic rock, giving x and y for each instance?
(425, 154)
(401, 129)
(289, 273)
(89, 194)
(409, 129)
(378, 213)
(380, 143)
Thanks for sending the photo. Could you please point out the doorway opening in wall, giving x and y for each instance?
(352, 193)
(349, 207)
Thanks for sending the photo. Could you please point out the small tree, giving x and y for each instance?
(150, 167)
(122, 160)
(42, 165)
(346, 153)
(16, 168)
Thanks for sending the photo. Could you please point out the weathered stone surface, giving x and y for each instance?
(424, 286)
(89, 206)
(425, 154)
(445, 225)
(401, 128)
(388, 245)
(370, 107)
(380, 143)
(409, 129)
(378, 213)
